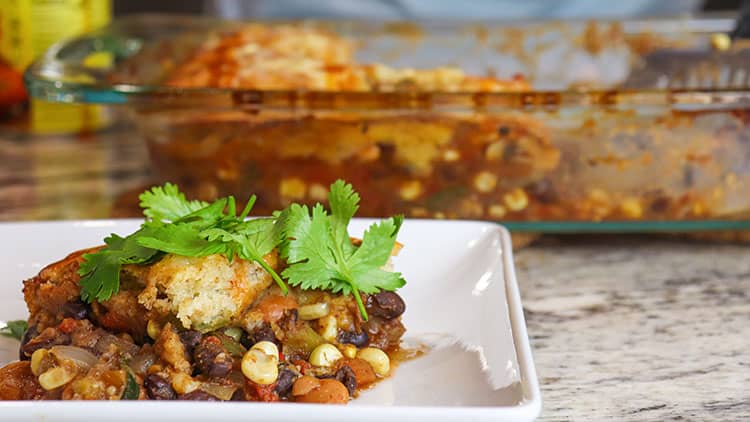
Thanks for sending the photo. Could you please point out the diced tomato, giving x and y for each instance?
(303, 365)
(67, 325)
(266, 392)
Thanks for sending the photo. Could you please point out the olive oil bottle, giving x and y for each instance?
(28, 28)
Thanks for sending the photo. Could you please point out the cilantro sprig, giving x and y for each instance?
(14, 329)
(322, 256)
(178, 226)
(316, 245)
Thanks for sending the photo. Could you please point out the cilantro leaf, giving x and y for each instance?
(322, 256)
(181, 227)
(310, 249)
(372, 254)
(100, 271)
(180, 239)
(316, 245)
(14, 329)
(344, 204)
(167, 203)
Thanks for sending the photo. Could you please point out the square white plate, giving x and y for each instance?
(462, 301)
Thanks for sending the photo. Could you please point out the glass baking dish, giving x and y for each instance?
(571, 148)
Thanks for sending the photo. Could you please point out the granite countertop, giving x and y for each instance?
(638, 328)
(622, 327)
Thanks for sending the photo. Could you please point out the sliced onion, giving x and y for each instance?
(141, 362)
(82, 357)
(107, 339)
(222, 392)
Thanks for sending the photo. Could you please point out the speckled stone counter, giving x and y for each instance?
(623, 328)
(637, 328)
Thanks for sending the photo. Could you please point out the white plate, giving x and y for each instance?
(462, 300)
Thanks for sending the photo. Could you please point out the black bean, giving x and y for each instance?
(198, 395)
(660, 204)
(284, 383)
(388, 305)
(238, 395)
(159, 388)
(359, 339)
(510, 151)
(263, 332)
(76, 310)
(387, 152)
(211, 358)
(30, 333)
(544, 191)
(503, 130)
(346, 376)
(190, 339)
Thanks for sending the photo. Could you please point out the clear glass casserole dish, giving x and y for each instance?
(530, 124)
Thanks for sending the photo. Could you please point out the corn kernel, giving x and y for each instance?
(631, 208)
(418, 212)
(55, 378)
(330, 328)
(36, 360)
(268, 348)
(318, 192)
(599, 195)
(377, 358)
(184, 383)
(259, 367)
(451, 155)
(698, 208)
(411, 190)
(371, 153)
(469, 208)
(494, 151)
(312, 311)
(485, 181)
(721, 41)
(292, 188)
(153, 329)
(349, 350)
(516, 200)
(496, 211)
(325, 355)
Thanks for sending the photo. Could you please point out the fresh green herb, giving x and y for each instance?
(100, 270)
(322, 256)
(316, 244)
(189, 228)
(14, 329)
(132, 390)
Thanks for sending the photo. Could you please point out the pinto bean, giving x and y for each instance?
(362, 371)
(328, 391)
